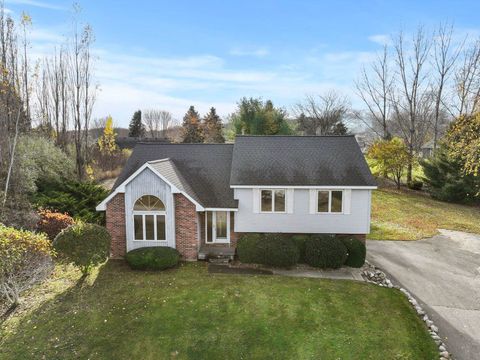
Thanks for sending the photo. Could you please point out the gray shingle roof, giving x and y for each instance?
(167, 168)
(299, 160)
(206, 171)
(204, 167)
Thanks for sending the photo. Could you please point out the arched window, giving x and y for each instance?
(149, 219)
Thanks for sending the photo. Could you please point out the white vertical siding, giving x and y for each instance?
(147, 183)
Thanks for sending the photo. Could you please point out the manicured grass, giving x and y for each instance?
(186, 313)
(397, 215)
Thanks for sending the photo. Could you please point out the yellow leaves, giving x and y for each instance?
(106, 142)
(463, 139)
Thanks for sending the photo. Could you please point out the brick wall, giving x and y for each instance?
(186, 227)
(115, 224)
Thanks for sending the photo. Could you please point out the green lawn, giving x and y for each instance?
(397, 215)
(186, 313)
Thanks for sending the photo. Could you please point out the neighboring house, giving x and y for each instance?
(426, 150)
(198, 198)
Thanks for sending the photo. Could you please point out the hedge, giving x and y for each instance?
(153, 258)
(268, 249)
(356, 251)
(299, 241)
(325, 251)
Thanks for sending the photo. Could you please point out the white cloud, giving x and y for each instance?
(255, 52)
(34, 3)
(381, 39)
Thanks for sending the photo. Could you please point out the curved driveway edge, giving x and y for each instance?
(443, 273)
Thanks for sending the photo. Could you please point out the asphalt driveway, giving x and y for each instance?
(443, 273)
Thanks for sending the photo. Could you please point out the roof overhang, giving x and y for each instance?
(303, 187)
(121, 188)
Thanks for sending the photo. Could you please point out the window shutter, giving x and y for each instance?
(256, 200)
(313, 200)
(289, 194)
(347, 201)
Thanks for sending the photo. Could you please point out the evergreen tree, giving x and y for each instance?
(340, 129)
(213, 128)
(257, 117)
(191, 127)
(136, 127)
(447, 180)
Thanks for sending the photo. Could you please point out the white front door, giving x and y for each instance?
(217, 227)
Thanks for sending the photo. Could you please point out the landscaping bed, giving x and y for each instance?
(187, 313)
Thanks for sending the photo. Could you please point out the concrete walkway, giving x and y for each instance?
(443, 273)
(344, 273)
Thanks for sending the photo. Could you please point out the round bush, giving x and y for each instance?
(356, 251)
(51, 223)
(280, 250)
(84, 245)
(325, 252)
(153, 258)
(251, 249)
(299, 241)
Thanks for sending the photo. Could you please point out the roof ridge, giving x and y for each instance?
(168, 144)
(294, 136)
(159, 160)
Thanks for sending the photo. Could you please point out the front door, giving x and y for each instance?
(217, 227)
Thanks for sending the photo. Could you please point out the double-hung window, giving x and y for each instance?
(272, 200)
(330, 201)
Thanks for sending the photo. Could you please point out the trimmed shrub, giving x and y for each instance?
(153, 258)
(51, 223)
(25, 259)
(251, 249)
(299, 241)
(267, 249)
(280, 250)
(324, 251)
(84, 245)
(356, 251)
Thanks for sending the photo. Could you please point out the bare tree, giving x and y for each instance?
(411, 95)
(157, 121)
(467, 82)
(321, 114)
(82, 91)
(374, 88)
(444, 59)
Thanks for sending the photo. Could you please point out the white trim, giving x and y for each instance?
(273, 201)
(121, 188)
(214, 239)
(221, 209)
(301, 187)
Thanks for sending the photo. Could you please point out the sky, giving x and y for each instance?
(172, 54)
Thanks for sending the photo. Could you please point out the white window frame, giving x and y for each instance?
(273, 201)
(144, 228)
(214, 239)
(330, 202)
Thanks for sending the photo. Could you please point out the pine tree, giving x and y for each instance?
(212, 128)
(136, 127)
(191, 127)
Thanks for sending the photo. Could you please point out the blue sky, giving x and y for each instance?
(171, 54)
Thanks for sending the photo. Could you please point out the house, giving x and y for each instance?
(198, 198)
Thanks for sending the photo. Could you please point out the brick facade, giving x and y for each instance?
(186, 230)
(115, 224)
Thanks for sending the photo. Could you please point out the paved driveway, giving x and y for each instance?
(443, 273)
